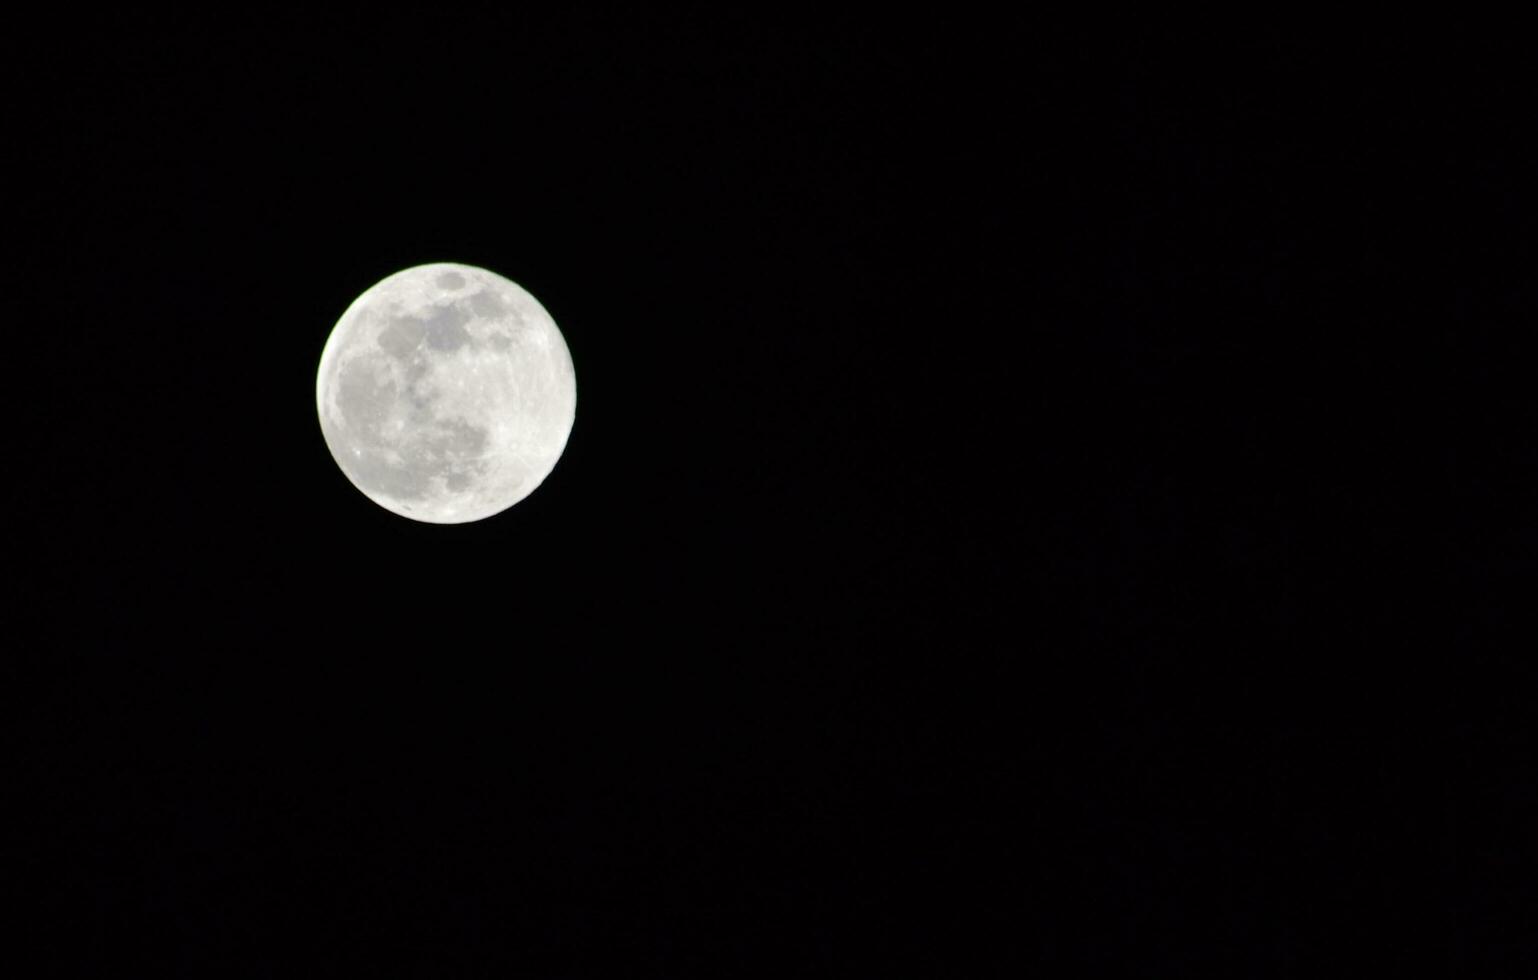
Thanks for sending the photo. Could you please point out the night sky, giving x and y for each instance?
(925, 587)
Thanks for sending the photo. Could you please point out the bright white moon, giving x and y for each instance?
(446, 393)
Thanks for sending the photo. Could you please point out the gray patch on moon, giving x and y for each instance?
(458, 439)
(405, 470)
(450, 280)
(443, 328)
(401, 336)
(363, 397)
(416, 369)
(486, 303)
(446, 328)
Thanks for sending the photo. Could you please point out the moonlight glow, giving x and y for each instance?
(446, 393)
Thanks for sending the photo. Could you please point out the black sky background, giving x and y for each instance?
(927, 585)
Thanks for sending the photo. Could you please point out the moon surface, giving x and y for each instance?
(446, 393)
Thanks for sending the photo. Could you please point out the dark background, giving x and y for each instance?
(926, 585)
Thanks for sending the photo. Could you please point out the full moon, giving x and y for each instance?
(446, 393)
